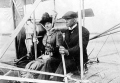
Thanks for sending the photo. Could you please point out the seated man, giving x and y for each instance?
(71, 48)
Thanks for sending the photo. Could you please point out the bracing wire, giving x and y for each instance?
(115, 45)
(99, 50)
(113, 79)
(111, 29)
(102, 47)
(106, 33)
(109, 33)
(117, 52)
(102, 36)
(90, 52)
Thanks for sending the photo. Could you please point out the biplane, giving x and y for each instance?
(100, 70)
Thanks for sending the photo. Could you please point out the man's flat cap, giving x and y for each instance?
(70, 15)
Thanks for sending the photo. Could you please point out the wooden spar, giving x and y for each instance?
(35, 42)
(17, 30)
(14, 24)
(83, 14)
(54, 6)
(55, 15)
(38, 80)
(17, 9)
(32, 71)
(80, 38)
(78, 81)
(27, 79)
(64, 67)
(12, 68)
(8, 72)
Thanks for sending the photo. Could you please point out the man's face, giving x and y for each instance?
(70, 22)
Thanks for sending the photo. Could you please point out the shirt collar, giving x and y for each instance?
(72, 27)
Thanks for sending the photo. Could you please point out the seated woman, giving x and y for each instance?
(51, 40)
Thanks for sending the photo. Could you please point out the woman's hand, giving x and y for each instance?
(46, 57)
(37, 64)
(54, 29)
(29, 64)
(35, 40)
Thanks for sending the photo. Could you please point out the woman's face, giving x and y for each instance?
(28, 22)
(48, 26)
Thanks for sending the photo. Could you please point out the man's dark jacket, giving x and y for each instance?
(72, 44)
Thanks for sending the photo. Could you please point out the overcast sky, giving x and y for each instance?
(107, 12)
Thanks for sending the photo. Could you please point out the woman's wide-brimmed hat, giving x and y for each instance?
(46, 18)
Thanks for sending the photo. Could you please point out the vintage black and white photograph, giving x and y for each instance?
(59, 41)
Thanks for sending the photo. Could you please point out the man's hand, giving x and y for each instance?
(64, 51)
